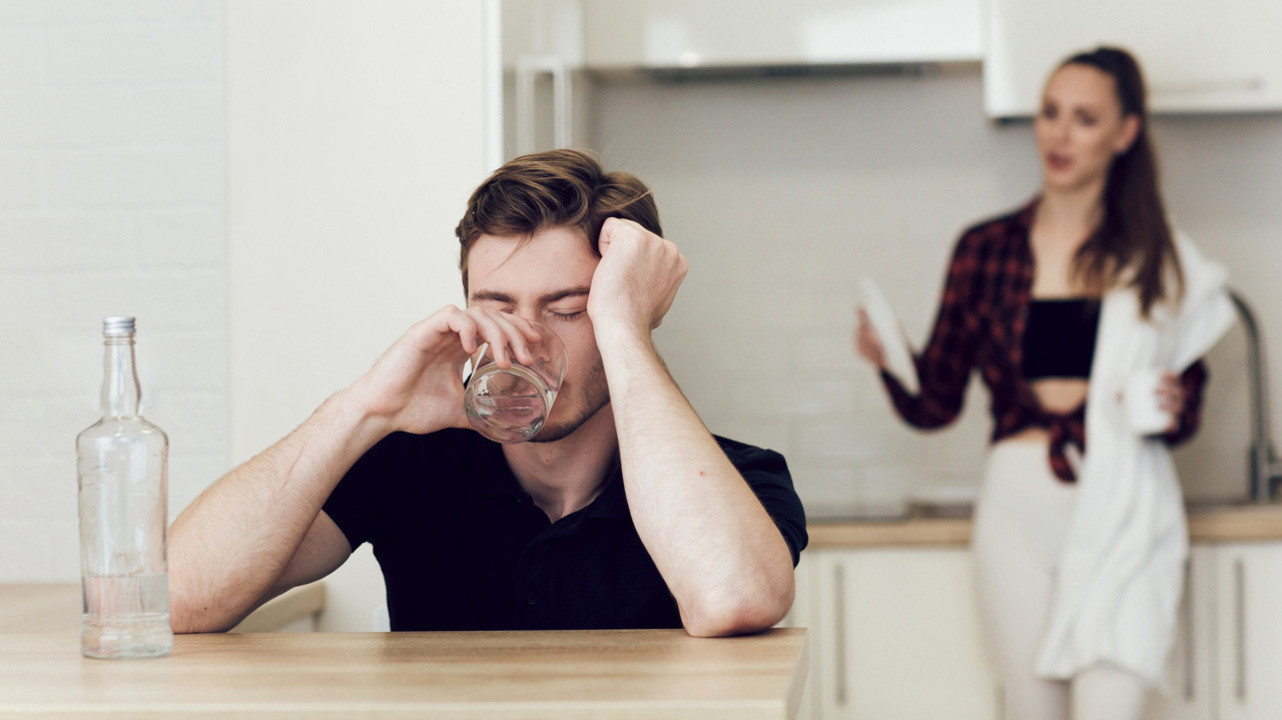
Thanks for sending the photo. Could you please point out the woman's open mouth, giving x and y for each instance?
(1058, 161)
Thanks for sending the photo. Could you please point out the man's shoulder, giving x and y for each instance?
(741, 453)
(767, 475)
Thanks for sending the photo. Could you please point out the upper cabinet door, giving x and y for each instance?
(1197, 55)
(728, 33)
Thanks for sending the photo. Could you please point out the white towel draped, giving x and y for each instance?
(1121, 572)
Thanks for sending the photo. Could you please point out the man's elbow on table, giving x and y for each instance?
(183, 619)
(735, 612)
(196, 613)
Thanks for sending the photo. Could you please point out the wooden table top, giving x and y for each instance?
(563, 674)
(57, 608)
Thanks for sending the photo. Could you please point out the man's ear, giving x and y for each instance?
(1131, 125)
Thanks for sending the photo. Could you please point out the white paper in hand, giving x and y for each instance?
(899, 359)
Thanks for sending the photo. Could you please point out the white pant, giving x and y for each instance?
(1020, 523)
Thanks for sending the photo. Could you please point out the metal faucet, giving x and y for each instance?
(1262, 462)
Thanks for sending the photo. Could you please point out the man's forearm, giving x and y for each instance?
(230, 545)
(716, 547)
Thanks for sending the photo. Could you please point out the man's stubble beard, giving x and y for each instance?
(594, 396)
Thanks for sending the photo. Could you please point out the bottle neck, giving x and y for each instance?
(120, 391)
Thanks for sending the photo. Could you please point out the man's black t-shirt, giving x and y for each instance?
(463, 547)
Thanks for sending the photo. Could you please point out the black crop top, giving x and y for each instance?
(1059, 339)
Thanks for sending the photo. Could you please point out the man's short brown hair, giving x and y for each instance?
(558, 188)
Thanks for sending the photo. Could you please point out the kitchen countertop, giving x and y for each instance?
(1207, 524)
(57, 607)
(564, 674)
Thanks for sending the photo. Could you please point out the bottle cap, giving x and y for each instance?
(117, 326)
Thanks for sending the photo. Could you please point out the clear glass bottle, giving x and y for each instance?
(122, 463)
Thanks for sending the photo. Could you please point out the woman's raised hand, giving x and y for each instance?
(867, 344)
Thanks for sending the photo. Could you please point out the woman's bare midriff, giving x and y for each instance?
(1058, 396)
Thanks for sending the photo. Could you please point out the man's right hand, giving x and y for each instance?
(261, 528)
(417, 385)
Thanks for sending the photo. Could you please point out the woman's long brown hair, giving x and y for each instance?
(1133, 232)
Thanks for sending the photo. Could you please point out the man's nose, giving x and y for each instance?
(528, 315)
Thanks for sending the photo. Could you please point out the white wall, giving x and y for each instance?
(111, 202)
(355, 135)
(781, 191)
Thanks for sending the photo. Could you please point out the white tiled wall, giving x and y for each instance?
(111, 202)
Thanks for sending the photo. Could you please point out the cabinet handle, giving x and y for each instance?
(839, 630)
(561, 102)
(1239, 609)
(1190, 657)
(524, 106)
(528, 68)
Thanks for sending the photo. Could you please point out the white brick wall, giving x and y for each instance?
(111, 202)
(134, 53)
(20, 182)
(20, 56)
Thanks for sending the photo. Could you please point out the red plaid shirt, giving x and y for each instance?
(981, 324)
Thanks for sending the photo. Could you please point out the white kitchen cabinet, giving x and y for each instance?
(721, 33)
(1198, 56)
(1249, 619)
(802, 615)
(1191, 687)
(894, 635)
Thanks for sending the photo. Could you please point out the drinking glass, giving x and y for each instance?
(510, 405)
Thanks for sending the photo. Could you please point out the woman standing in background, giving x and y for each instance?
(1057, 303)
